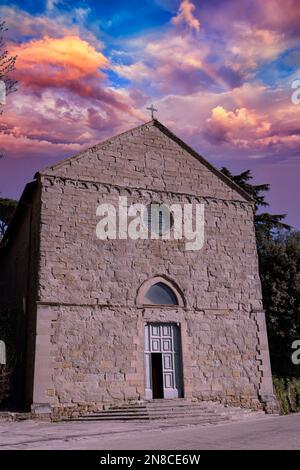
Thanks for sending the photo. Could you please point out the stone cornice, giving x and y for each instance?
(138, 191)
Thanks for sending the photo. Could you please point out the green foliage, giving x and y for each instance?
(7, 208)
(288, 394)
(266, 225)
(253, 190)
(279, 260)
(5, 378)
(279, 264)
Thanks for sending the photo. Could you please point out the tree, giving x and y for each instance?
(279, 265)
(266, 225)
(7, 208)
(7, 65)
(279, 261)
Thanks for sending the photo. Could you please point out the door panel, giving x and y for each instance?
(168, 382)
(167, 362)
(155, 345)
(167, 345)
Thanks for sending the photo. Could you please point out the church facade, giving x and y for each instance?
(113, 321)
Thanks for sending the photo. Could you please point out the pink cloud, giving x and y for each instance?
(273, 15)
(63, 99)
(236, 126)
(65, 75)
(182, 63)
(69, 57)
(64, 118)
(172, 63)
(68, 64)
(64, 102)
(253, 130)
(17, 146)
(277, 16)
(251, 121)
(186, 15)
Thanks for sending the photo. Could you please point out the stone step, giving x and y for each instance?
(125, 408)
(200, 417)
(156, 415)
(170, 408)
(172, 415)
(121, 417)
(179, 409)
(14, 416)
(160, 406)
(180, 405)
(165, 403)
(185, 415)
(118, 413)
(158, 410)
(6, 416)
(180, 418)
(193, 418)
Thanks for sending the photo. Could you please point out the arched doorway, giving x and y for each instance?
(163, 361)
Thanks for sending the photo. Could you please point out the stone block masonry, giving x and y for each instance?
(90, 324)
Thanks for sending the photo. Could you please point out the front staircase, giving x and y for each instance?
(179, 410)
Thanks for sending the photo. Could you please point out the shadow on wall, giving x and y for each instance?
(11, 367)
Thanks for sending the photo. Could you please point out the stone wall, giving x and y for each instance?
(146, 157)
(96, 355)
(92, 330)
(89, 348)
(78, 268)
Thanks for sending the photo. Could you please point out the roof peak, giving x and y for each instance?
(156, 123)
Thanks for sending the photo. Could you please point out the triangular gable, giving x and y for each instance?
(73, 167)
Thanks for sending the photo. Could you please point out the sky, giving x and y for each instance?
(220, 73)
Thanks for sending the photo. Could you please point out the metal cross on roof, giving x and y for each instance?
(153, 110)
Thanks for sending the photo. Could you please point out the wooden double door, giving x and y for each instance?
(163, 370)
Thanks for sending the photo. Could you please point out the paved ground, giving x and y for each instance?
(271, 432)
